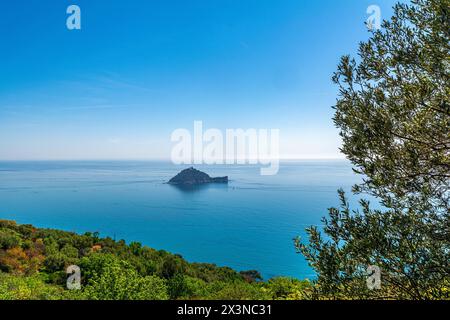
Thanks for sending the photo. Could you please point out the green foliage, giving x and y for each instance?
(238, 290)
(210, 272)
(393, 111)
(282, 288)
(251, 275)
(394, 118)
(112, 279)
(171, 266)
(9, 239)
(196, 288)
(414, 264)
(37, 259)
(178, 287)
(27, 288)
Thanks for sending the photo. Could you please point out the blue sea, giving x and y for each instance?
(248, 224)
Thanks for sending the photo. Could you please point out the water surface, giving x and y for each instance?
(247, 224)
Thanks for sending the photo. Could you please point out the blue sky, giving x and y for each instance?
(137, 70)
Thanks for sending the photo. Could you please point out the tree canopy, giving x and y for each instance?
(393, 114)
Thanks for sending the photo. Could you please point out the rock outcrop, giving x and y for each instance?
(193, 176)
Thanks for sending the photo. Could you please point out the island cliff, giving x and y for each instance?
(193, 176)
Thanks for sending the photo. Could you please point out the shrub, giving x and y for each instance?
(9, 239)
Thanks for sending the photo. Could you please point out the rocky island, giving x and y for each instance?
(193, 176)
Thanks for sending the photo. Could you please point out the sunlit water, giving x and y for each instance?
(247, 224)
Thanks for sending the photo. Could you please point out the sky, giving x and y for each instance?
(138, 70)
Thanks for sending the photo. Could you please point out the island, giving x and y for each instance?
(192, 176)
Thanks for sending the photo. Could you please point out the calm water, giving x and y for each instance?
(248, 224)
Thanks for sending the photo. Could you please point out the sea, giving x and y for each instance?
(247, 224)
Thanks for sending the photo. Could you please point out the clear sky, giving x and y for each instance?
(137, 70)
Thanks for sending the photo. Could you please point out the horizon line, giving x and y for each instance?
(159, 159)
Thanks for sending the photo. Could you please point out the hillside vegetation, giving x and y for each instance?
(33, 265)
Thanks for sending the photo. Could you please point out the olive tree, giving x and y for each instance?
(393, 114)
